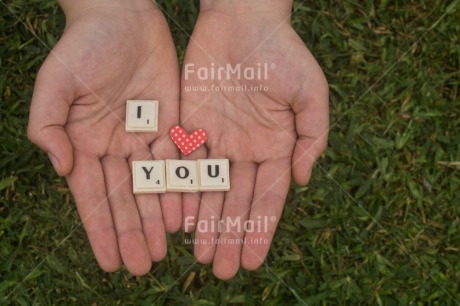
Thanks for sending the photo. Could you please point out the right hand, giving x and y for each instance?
(110, 51)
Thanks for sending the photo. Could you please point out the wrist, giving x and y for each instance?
(72, 7)
(235, 7)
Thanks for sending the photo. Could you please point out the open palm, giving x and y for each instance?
(108, 54)
(271, 126)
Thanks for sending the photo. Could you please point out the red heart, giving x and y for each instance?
(185, 142)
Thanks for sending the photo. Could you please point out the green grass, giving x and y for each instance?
(379, 223)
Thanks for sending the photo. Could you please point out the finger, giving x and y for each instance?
(171, 208)
(151, 216)
(131, 241)
(206, 227)
(190, 208)
(237, 205)
(206, 231)
(311, 108)
(86, 181)
(52, 97)
(272, 186)
(191, 200)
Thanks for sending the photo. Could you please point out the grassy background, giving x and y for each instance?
(378, 224)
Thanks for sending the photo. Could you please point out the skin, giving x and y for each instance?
(98, 64)
(268, 136)
(112, 51)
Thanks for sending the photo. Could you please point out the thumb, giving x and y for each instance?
(51, 100)
(311, 108)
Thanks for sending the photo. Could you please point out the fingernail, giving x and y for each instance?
(55, 162)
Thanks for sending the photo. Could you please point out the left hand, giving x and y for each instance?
(267, 135)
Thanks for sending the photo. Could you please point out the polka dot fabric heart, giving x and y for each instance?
(185, 142)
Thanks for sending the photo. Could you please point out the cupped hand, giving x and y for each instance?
(271, 125)
(110, 51)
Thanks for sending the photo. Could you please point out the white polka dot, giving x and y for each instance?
(175, 135)
(186, 140)
(183, 143)
(194, 140)
(180, 131)
(186, 148)
(202, 141)
(199, 137)
(191, 136)
(179, 139)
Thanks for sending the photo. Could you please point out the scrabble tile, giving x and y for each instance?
(214, 174)
(141, 116)
(149, 176)
(181, 175)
